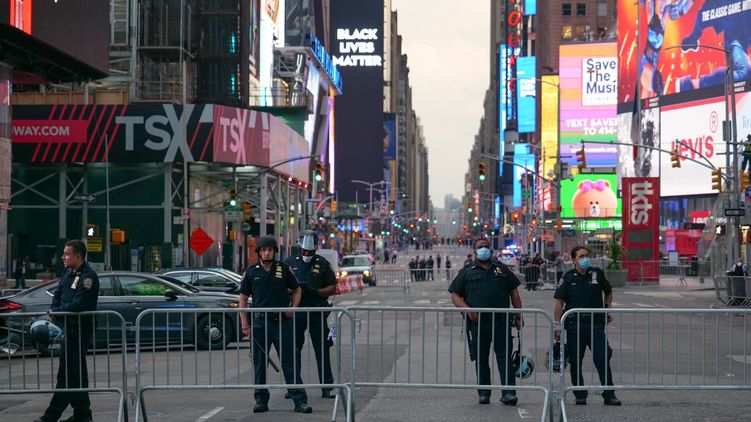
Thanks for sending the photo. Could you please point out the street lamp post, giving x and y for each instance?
(370, 188)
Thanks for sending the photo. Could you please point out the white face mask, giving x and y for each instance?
(306, 259)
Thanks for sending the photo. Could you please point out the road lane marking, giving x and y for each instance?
(524, 413)
(422, 302)
(206, 416)
(347, 302)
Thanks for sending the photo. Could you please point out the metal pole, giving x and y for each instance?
(107, 234)
(727, 138)
(186, 215)
(264, 203)
(734, 135)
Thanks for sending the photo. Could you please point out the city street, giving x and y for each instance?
(382, 364)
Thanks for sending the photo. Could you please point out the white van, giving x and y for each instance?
(332, 256)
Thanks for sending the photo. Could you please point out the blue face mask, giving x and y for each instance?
(483, 254)
(584, 263)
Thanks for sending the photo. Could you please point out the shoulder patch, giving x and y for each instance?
(87, 283)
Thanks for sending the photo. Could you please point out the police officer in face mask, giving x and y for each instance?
(485, 284)
(318, 282)
(585, 287)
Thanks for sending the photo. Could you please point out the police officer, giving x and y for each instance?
(318, 282)
(267, 283)
(77, 291)
(485, 284)
(584, 287)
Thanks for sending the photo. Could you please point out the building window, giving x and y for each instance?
(602, 9)
(567, 32)
(581, 33)
(602, 32)
(581, 9)
(566, 9)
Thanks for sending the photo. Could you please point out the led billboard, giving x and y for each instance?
(590, 196)
(634, 161)
(696, 129)
(524, 162)
(588, 81)
(549, 123)
(526, 93)
(389, 154)
(356, 41)
(663, 70)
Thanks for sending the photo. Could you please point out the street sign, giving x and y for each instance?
(83, 198)
(94, 244)
(178, 219)
(735, 212)
(233, 215)
(200, 241)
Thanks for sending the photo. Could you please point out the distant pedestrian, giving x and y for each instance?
(20, 272)
(429, 268)
(438, 262)
(421, 265)
(448, 268)
(393, 256)
(558, 265)
(412, 267)
(468, 261)
(386, 255)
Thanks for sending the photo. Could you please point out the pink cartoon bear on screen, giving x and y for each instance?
(594, 199)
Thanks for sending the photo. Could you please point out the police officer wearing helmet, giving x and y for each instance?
(484, 284)
(267, 283)
(586, 287)
(77, 291)
(318, 282)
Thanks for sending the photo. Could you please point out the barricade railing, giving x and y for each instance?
(385, 278)
(205, 349)
(30, 368)
(433, 355)
(733, 291)
(638, 352)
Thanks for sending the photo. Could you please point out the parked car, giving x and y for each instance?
(129, 294)
(207, 279)
(359, 265)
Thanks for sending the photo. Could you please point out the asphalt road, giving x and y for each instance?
(426, 347)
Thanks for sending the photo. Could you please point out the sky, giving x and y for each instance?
(447, 47)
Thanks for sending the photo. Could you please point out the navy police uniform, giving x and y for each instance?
(269, 290)
(77, 291)
(316, 274)
(586, 330)
(488, 288)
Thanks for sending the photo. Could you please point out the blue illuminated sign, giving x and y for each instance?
(527, 93)
(530, 7)
(523, 161)
(327, 63)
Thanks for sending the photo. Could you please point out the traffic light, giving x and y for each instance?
(333, 205)
(675, 157)
(481, 171)
(318, 172)
(392, 207)
(246, 211)
(232, 198)
(581, 159)
(515, 217)
(717, 180)
(469, 206)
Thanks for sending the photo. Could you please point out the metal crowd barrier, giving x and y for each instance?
(433, 355)
(26, 368)
(386, 278)
(647, 356)
(732, 291)
(223, 362)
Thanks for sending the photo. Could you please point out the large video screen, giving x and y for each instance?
(695, 128)
(527, 93)
(590, 196)
(588, 83)
(699, 31)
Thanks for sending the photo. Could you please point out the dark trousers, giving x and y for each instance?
(491, 329)
(746, 161)
(430, 274)
(318, 330)
(280, 334)
(20, 281)
(72, 373)
(558, 276)
(592, 335)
